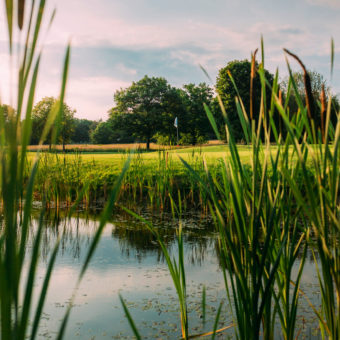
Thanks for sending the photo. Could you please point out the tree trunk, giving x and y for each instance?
(148, 143)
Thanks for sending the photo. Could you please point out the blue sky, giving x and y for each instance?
(116, 42)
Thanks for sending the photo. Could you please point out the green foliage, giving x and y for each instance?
(102, 134)
(147, 107)
(82, 130)
(195, 123)
(164, 139)
(189, 139)
(120, 129)
(265, 214)
(64, 125)
(8, 112)
(21, 305)
(317, 82)
(9, 116)
(241, 73)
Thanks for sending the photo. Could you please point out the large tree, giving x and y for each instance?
(196, 123)
(148, 106)
(240, 70)
(63, 126)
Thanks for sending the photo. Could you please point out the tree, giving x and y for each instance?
(82, 130)
(103, 134)
(196, 123)
(147, 107)
(241, 73)
(8, 116)
(63, 126)
(317, 83)
(7, 111)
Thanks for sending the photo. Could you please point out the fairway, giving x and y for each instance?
(211, 154)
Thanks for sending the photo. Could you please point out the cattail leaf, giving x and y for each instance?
(21, 11)
(130, 319)
(332, 57)
(9, 17)
(252, 77)
(206, 73)
(217, 319)
(212, 120)
(43, 293)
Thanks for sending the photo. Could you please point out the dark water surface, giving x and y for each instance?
(129, 262)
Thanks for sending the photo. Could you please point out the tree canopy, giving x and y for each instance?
(82, 130)
(102, 134)
(147, 106)
(318, 82)
(63, 128)
(196, 123)
(240, 70)
(147, 109)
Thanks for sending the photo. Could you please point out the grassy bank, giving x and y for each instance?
(153, 179)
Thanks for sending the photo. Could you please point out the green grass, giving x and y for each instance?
(153, 178)
(268, 203)
(20, 317)
(268, 210)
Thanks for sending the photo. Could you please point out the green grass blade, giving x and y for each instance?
(43, 293)
(217, 319)
(129, 317)
(212, 121)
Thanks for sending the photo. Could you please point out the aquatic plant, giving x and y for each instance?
(269, 211)
(18, 318)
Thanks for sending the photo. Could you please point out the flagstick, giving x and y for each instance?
(176, 126)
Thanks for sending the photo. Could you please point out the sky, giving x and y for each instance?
(116, 42)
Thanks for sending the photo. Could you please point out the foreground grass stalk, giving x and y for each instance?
(319, 203)
(19, 320)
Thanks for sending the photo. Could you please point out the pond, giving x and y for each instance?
(128, 261)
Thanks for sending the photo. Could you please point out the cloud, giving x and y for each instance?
(115, 43)
(335, 4)
(290, 30)
(93, 96)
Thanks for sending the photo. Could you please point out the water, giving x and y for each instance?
(129, 262)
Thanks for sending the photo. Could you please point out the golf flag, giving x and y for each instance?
(176, 122)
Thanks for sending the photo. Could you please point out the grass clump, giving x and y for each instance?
(20, 317)
(269, 211)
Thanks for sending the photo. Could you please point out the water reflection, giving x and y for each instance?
(134, 239)
(129, 261)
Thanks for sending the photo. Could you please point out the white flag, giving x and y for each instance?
(176, 122)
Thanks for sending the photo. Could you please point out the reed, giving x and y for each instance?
(320, 205)
(270, 211)
(19, 320)
(267, 211)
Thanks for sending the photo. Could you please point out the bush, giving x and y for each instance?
(164, 140)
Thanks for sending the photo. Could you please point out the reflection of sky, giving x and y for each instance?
(117, 42)
(143, 281)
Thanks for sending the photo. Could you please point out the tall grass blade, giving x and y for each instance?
(130, 319)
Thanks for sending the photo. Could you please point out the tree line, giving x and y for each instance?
(146, 110)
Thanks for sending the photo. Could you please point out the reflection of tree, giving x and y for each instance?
(138, 240)
(58, 226)
(134, 239)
